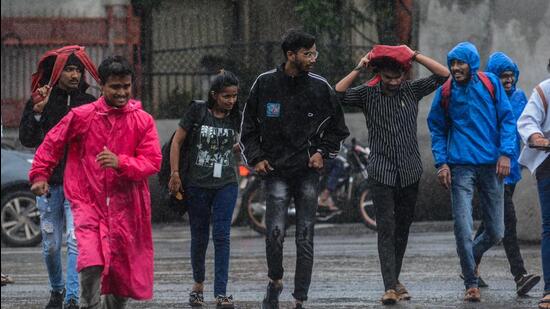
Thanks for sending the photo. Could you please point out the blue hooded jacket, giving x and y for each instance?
(477, 129)
(498, 63)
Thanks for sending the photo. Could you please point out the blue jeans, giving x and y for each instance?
(465, 179)
(55, 214)
(216, 205)
(335, 169)
(544, 196)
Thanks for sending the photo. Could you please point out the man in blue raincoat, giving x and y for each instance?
(473, 140)
(504, 67)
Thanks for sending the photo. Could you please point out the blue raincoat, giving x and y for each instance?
(498, 63)
(476, 130)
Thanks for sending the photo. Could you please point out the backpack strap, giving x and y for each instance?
(446, 94)
(446, 90)
(487, 83)
(543, 98)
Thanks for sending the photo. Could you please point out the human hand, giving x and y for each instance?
(444, 176)
(503, 167)
(538, 139)
(106, 159)
(44, 93)
(316, 161)
(236, 148)
(174, 185)
(263, 167)
(409, 51)
(40, 187)
(363, 62)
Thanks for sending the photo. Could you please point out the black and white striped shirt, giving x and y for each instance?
(391, 124)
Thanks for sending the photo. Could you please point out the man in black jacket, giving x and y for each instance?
(38, 118)
(292, 121)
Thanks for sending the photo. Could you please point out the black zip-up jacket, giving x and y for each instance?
(287, 119)
(32, 130)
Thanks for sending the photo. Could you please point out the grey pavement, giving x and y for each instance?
(346, 271)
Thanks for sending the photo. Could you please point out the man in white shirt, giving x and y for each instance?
(534, 128)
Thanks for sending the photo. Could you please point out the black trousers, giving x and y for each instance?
(394, 215)
(279, 190)
(510, 240)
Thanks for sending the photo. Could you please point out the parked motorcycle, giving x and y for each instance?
(351, 195)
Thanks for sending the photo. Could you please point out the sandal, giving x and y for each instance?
(6, 280)
(402, 291)
(472, 295)
(544, 302)
(196, 299)
(390, 297)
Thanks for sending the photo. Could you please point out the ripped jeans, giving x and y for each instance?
(55, 214)
(279, 191)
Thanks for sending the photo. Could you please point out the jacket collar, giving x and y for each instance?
(102, 106)
(302, 77)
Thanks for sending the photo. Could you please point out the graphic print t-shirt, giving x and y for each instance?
(212, 142)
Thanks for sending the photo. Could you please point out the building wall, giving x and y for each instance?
(520, 29)
(49, 8)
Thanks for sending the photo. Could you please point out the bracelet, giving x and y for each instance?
(442, 169)
(174, 173)
(358, 68)
(416, 52)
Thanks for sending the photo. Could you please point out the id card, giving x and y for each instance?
(217, 170)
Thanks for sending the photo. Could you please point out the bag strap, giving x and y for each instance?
(543, 98)
(446, 89)
(487, 83)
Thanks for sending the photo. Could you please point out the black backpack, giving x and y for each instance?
(179, 205)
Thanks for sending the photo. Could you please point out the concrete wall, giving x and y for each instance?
(520, 29)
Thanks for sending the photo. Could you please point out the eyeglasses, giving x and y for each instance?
(311, 54)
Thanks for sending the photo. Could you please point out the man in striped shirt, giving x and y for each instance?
(391, 108)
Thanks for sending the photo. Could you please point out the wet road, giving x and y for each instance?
(346, 271)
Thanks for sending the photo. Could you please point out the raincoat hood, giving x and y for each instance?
(57, 59)
(465, 52)
(498, 63)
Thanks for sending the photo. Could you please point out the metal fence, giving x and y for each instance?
(177, 75)
(25, 39)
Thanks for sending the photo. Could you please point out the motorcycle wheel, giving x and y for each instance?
(253, 203)
(365, 206)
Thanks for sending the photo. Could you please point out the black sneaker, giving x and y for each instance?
(481, 283)
(56, 300)
(271, 299)
(196, 299)
(225, 302)
(525, 283)
(72, 304)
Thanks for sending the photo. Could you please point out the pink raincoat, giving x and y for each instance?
(111, 208)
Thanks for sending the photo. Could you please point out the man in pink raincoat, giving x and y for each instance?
(113, 148)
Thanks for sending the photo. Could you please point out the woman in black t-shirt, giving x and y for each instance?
(210, 181)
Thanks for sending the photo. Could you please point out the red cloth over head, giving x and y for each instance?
(402, 54)
(61, 55)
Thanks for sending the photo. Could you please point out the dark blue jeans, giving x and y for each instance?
(335, 170)
(279, 190)
(214, 205)
(543, 183)
(464, 180)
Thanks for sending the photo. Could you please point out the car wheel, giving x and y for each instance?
(20, 219)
